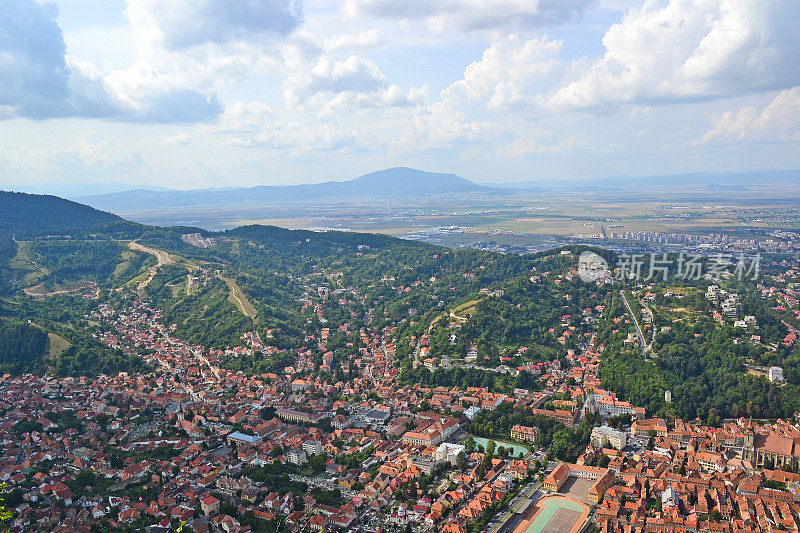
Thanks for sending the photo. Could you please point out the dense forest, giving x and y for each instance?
(703, 368)
(22, 347)
(31, 215)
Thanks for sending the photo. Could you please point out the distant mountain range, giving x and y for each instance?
(695, 180)
(400, 182)
(77, 190)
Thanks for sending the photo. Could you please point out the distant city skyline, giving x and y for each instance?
(219, 93)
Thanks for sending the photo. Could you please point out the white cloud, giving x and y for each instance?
(355, 41)
(245, 116)
(332, 86)
(534, 145)
(180, 24)
(39, 81)
(442, 125)
(469, 15)
(779, 121)
(690, 50)
(291, 140)
(93, 150)
(510, 72)
(181, 139)
(385, 97)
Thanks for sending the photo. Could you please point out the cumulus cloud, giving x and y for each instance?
(442, 125)
(510, 72)
(779, 121)
(328, 74)
(690, 50)
(38, 81)
(470, 15)
(179, 24)
(332, 85)
(245, 117)
(352, 41)
(33, 71)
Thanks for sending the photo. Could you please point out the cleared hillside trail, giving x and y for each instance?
(238, 298)
(162, 258)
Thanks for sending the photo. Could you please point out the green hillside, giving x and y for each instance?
(32, 215)
(289, 286)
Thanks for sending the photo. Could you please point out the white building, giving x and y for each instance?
(472, 412)
(313, 447)
(668, 396)
(605, 436)
(449, 452)
(670, 498)
(297, 456)
(775, 374)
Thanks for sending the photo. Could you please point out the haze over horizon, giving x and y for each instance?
(218, 93)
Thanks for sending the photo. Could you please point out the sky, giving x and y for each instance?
(218, 93)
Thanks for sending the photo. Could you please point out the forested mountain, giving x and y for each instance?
(22, 346)
(289, 286)
(31, 215)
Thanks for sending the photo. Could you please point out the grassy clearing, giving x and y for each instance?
(237, 298)
(465, 310)
(176, 288)
(38, 291)
(461, 313)
(24, 262)
(137, 280)
(56, 344)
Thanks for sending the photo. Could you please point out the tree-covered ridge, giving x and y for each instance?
(31, 215)
(705, 359)
(53, 336)
(22, 346)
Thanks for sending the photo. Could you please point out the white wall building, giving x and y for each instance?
(297, 456)
(775, 374)
(605, 436)
(313, 447)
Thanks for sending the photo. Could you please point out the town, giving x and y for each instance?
(193, 444)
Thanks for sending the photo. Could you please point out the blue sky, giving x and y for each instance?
(212, 93)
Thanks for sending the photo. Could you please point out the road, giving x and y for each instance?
(642, 344)
(515, 504)
(162, 258)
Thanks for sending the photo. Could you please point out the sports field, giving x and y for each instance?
(554, 514)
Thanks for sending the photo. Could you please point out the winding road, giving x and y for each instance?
(162, 258)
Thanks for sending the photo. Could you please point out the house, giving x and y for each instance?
(209, 505)
(524, 433)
